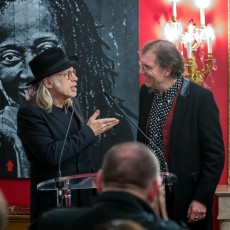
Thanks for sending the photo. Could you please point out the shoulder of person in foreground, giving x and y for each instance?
(65, 218)
(57, 218)
(119, 224)
(170, 225)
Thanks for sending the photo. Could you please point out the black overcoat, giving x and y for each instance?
(196, 147)
(42, 134)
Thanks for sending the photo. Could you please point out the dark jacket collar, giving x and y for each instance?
(184, 92)
(123, 198)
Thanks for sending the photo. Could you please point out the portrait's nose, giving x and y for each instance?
(27, 73)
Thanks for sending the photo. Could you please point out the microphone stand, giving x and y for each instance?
(59, 183)
(168, 178)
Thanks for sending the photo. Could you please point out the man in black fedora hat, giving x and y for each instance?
(52, 129)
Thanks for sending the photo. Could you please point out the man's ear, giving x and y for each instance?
(99, 181)
(47, 83)
(168, 71)
(153, 191)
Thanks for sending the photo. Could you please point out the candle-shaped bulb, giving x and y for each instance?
(189, 50)
(209, 41)
(210, 37)
(202, 4)
(202, 17)
(174, 13)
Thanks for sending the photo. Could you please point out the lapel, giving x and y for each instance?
(78, 114)
(147, 105)
(61, 116)
(180, 110)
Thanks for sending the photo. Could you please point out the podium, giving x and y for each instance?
(64, 185)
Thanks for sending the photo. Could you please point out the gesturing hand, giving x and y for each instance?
(101, 125)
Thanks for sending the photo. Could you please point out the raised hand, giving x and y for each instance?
(101, 125)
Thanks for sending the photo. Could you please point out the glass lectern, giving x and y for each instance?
(64, 185)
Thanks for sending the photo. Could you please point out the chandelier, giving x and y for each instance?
(197, 41)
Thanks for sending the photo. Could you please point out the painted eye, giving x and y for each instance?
(10, 57)
(45, 45)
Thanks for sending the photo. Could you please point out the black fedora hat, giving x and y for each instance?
(49, 62)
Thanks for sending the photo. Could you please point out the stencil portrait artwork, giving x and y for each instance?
(106, 44)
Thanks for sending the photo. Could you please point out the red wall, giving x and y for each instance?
(152, 13)
(16, 191)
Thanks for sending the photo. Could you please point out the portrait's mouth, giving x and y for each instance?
(22, 90)
(22, 86)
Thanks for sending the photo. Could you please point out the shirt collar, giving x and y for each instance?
(170, 93)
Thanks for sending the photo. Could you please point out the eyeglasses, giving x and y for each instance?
(68, 75)
(147, 67)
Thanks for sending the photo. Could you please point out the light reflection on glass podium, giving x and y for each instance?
(64, 185)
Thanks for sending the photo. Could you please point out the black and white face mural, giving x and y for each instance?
(103, 34)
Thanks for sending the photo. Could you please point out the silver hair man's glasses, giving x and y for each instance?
(69, 75)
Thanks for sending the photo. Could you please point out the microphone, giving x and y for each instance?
(166, 175)
(60, 184)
